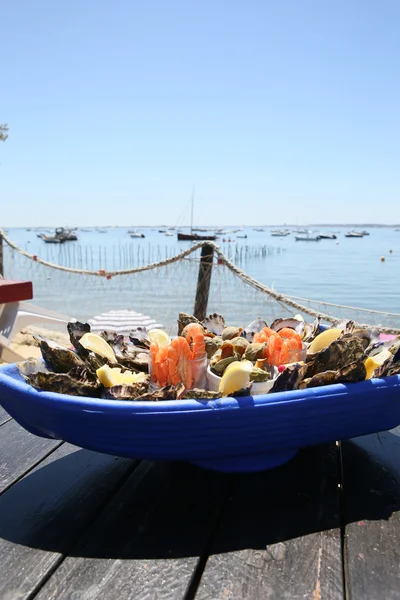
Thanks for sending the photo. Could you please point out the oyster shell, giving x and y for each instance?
(337, 355)
(127, 392)
(127, 354)
(57, 358)
(63, 383)
(184, 319)
(140, 338)
(168, 392)
(257, 375)
(289, 379)
(214, 324)
(311, 331)
(31, 367)
(76, 330)
(219, 366)
(240, 344)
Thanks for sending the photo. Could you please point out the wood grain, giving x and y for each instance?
(44, 514)
(371, 504)
(148, 542)
(20, 451)
(279, 537)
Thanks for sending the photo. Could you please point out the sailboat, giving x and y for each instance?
(193, 237)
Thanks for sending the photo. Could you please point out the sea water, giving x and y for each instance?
(345, 271)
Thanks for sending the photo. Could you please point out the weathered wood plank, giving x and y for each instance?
(44, 514)
(4, 416)
(20, 451)
(148, 541)
(371, 504)
(280, 535)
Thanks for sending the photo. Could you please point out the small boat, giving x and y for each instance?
(194, 237)
(327, 236)
(169, 233)
(161, 231)
(242, 236)
(259, 229)
(61, 235)
(307, 238)
(354, 234)
(280, 232)
(136, 234)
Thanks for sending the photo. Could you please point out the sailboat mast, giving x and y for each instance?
(191, 213)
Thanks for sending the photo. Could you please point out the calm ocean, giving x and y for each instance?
(346, 271)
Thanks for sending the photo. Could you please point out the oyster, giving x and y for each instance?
(63, 383)
(289, 379)
(198, 394)
(77, 330)
(231, 332)
(253, 328)
(57, 358)
(184, 319)
(351, 373)
(311, 331)
(168, 392)
(140, 338)
(127, 392)
(31, 367)
(337, 355)
(126, 353)
(214, 324)
(369, 337)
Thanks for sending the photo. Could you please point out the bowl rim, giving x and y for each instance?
(11, 380)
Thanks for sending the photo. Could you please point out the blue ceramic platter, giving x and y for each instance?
(228, 434)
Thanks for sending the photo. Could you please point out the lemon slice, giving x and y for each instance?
(160, 337)
(323, 340)
(372, 362)
(94, 343)
(112, 376)
(235, 377)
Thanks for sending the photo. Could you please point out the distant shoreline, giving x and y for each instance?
(278, 225)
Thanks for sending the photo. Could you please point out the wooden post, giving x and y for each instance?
(203, 281)
(1, 257)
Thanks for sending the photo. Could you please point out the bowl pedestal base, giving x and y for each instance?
(246, 464)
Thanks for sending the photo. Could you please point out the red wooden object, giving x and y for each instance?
(15, 291)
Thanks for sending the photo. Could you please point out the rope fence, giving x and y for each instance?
(172, 285)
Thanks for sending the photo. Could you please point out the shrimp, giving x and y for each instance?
(153, 354)
(194, 334)
(273, 350)
(179, 369)
(264, 335)
(162, 366)
(289, 350)
(291, 334)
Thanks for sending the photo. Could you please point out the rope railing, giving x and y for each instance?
(295, 303)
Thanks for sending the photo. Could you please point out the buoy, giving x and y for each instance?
(390, 251)
(382, 259)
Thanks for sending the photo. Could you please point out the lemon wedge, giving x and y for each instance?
(160, 337)
(372, 362)
(323, 340)
(95, 343)
(235, 377)
(112, 376)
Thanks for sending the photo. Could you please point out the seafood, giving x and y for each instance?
(291, 323)
(337, 355)
(214, 324)
(126, 392)
(178, 358)
(184, 319)
(254, 351)
(231, 332)
(75, 383)
(194, 335)
(252, 328)
(139, 338)
(212, 345)
(76, 330)
(57, 358)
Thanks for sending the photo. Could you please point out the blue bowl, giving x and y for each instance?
(228, 434)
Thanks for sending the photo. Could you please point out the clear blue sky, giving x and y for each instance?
(276, 111)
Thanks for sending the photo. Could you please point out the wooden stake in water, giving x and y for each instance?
(203, 282)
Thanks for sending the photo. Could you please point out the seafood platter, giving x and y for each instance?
(224, 397)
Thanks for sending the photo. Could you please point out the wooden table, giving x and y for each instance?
(78, 525)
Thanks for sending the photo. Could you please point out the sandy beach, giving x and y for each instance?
(25, 344)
